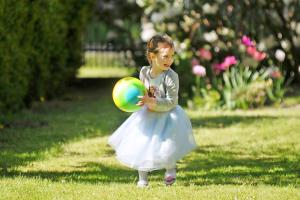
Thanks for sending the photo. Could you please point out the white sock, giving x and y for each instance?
(143, 176)
(171, 172)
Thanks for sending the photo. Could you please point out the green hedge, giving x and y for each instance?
(40, 48)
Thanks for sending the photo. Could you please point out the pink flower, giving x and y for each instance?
(251, 50)
(247, 41)
(228, 61)
(218, 67)
(259, 56)
(194, 62)
(199, 70)
(205, 54)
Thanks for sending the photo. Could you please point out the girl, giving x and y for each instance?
(159, 134)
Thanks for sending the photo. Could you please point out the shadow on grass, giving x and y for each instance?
(213, 168)
(88, 118)
(88, 173)
(213, 165)
(88, 112)
(226, 121)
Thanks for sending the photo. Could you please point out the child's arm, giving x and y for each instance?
(171, 99)
(144, 99)
(163, 104)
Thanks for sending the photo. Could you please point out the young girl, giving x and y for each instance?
(159, 134)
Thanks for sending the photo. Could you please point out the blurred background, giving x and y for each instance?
(229, 54)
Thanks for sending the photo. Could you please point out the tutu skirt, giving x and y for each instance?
(149, 140)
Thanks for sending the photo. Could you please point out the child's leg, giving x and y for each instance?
(171, 172)
(143, 179)
(170, 175)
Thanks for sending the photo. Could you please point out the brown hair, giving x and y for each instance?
(153, 44)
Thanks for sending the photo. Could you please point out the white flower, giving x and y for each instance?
(148, 32)
(172, 27)
(173, 11)
(261, 46)
(280, 55)
(210, 9)
(211, 36)
(285, 44)
(199, 70)
(183, 46)
(225, 31)
(141, 3)
(157, 17)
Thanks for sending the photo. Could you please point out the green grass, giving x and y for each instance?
(105, 65)
(58, 150)
(104, 72)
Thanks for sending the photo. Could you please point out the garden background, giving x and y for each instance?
(238, 64)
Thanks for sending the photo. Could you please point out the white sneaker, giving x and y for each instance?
(143, 179)
(142, 184)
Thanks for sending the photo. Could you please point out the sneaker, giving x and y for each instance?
(142, 184)
(169, 180)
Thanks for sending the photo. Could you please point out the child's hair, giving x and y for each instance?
(153, 44)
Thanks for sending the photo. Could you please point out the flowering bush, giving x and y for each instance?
(225, 39)
(236, 85)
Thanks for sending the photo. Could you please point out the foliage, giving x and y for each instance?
(245, 88)
(13, 59)
(40, 49)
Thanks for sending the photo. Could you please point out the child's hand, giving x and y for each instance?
(146, 100)
(140, 103)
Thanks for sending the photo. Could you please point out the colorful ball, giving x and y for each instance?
(126, 92)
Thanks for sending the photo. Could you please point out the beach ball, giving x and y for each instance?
(126, 92)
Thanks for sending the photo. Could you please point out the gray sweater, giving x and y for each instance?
(166, 88)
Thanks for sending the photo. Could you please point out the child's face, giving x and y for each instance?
(164, 58)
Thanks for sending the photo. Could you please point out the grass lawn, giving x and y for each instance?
(103, 72)
(58, 150)
(105, 65)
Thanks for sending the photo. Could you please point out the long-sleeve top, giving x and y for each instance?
(164, 88)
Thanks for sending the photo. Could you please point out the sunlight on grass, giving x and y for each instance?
(42, 188)
(291, 101)
(106, 65)
(104, 72)
(241, 155)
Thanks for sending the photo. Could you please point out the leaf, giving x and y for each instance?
(233, 78)
(226, 80)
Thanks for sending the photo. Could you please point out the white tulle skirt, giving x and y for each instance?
(149, 141)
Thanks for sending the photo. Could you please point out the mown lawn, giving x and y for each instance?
(58, 150)
(105, 65)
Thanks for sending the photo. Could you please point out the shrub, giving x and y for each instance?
(40, 49)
